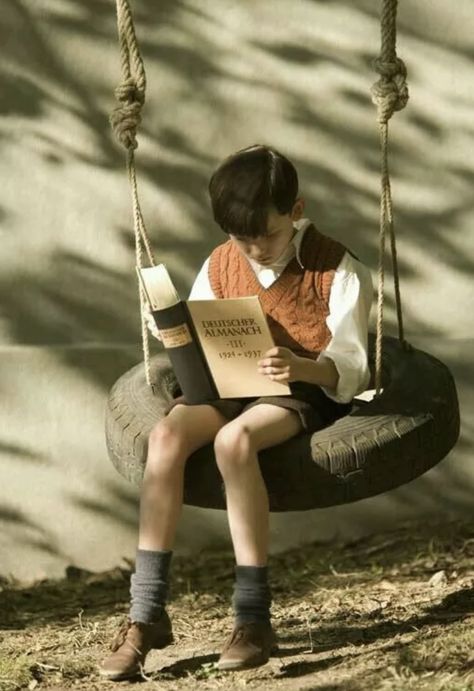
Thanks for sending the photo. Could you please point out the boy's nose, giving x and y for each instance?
(257, 253)
(258, 257)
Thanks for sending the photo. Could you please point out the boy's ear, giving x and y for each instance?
(298, 209)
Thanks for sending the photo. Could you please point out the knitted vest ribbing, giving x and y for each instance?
(297, 303)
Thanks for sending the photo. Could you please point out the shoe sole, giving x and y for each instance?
(122, 676)
(118, 676)
(236, 664)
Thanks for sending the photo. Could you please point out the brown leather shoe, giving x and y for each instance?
(249, 645)
(132, 644)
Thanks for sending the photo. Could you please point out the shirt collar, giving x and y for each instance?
(297, 238)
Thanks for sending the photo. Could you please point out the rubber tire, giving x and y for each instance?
(380, 445)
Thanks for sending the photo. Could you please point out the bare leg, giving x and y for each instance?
(236, 448)
(171, 442)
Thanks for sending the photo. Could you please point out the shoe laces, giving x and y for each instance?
(239, 632)
(121, 636)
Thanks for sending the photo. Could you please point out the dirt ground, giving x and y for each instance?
(392, 611)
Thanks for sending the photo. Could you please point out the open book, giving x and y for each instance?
(213, 345)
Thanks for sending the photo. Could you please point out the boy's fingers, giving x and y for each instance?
(273, 362)
(272, 352)
(277, 371)
(151, 324)
(279, 377)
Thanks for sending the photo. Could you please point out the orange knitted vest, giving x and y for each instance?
(297, 303)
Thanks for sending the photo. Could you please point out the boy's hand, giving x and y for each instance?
(150, 321)
(280, 364)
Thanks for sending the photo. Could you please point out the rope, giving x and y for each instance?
(389, 93)
(125, 119)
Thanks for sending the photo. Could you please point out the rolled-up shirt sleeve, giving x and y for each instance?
(349, 310)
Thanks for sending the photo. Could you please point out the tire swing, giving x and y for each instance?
(410, 424)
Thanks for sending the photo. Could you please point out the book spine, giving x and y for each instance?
(184, 351)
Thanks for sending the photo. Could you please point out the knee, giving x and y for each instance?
(165, 433)
(166, 447)
(233, 447)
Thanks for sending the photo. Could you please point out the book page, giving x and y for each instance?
(158, 286)
(234, 335)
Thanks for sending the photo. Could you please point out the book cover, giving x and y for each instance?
(213, 345)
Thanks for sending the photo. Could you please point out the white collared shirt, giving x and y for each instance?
(350, 301)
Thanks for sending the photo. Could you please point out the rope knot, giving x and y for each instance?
(126, 117)
(390, 92)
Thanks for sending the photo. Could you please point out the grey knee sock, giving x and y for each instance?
(149, 585)
(252, 596)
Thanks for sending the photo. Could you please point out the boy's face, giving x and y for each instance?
(266, 249)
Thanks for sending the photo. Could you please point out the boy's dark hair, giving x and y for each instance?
(249, 184)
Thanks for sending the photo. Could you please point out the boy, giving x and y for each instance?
(317, 299)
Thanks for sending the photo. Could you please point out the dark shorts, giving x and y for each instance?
(314, 408)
